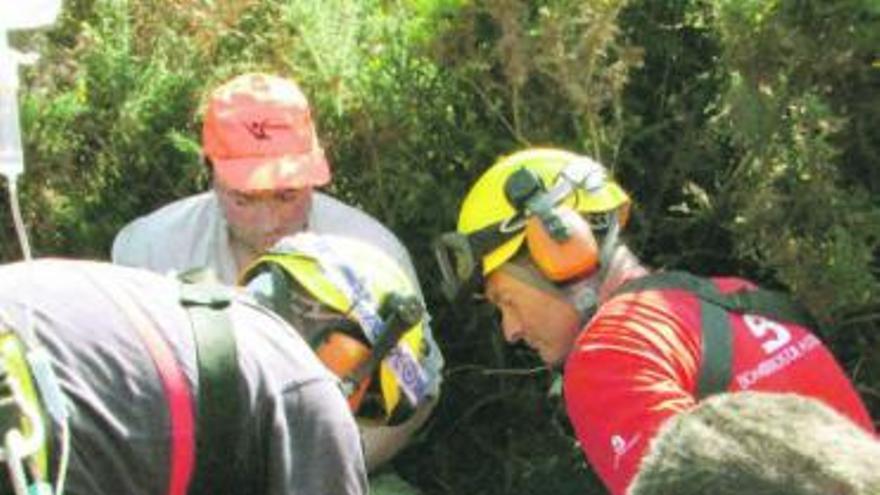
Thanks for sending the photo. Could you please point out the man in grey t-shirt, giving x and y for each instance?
(261, 144)
(122, 347)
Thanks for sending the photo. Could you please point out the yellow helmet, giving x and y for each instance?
(374, 337)
(491, 228)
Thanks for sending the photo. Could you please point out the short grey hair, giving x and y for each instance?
(761, 444)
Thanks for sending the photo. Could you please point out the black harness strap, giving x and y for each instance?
(717, 349)
(219, 405)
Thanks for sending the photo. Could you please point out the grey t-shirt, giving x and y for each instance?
(192, 233)
(297, 428)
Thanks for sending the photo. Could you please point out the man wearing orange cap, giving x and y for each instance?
(261, 145)
(260, 142)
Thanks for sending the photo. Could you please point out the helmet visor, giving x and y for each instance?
(459, 266)
(460, 257)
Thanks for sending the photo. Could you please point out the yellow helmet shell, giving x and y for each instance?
(378, 273)
(486, 203)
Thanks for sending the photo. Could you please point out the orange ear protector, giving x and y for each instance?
(560, 240)
(343, 354)
(575, 256)
(344, 350)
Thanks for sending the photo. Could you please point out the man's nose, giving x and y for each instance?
(511, 327)
(269, 219)
(263, 212)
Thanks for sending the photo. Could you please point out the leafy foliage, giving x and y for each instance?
(746, 130)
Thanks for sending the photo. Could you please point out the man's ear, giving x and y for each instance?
(209, 169)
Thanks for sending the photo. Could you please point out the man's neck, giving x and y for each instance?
(624, 267)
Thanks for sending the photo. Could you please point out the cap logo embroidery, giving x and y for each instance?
(260, 129)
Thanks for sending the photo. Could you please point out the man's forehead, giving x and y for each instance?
(493, 288)
(488, 294)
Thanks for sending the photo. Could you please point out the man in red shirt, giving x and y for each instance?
(538, 234)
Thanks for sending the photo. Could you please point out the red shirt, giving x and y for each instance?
(637, 362)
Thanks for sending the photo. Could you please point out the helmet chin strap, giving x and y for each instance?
(609, 245)
(583, 293)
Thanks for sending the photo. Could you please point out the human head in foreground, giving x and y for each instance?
(762, 444)
(154, 383)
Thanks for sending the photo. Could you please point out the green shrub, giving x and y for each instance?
(746, 131)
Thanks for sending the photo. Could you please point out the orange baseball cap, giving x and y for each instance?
(259, 134)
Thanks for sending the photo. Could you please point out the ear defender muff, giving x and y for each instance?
(560, 241)
(562, 259)
(344, 350)
(343, 354)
